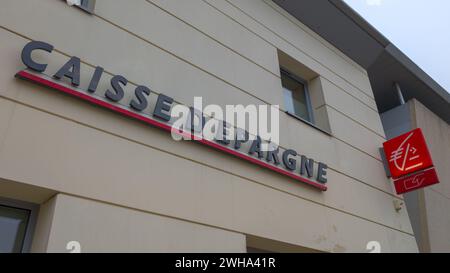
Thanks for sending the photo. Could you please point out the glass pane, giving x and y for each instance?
(13, 225)
(294, 96)
(288, 101)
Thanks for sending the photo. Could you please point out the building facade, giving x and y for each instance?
(427, 207)
(75, 176)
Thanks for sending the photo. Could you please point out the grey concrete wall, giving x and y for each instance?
(435, 200)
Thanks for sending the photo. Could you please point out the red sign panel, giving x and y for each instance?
(416, 181)
(407, 154)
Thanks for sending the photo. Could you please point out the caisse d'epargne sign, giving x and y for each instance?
(410, 162)
(157, 113)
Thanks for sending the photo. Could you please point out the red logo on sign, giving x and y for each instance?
(407, 154)
(416, 181)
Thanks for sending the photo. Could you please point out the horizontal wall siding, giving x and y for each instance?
(357, 164)
(194, 82)
(345, 197)
(196, 48)
(236, 12)
(95, 223)
(6, 111)
(203, 195)
(226, 32)
(285, 28)
(72, 147)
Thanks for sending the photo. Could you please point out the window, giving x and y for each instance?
(16, 224)
(86, 5)
(296, 96)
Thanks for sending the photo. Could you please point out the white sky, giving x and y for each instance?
(420, 28)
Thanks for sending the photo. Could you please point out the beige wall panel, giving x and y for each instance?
(326, 229)
(78, 159)
(355, 134)
(10, 49)
(323, 92)
(437, 135)
(278, 216)
(143, 65)
(123, 126)
(363, 167)
(291, 32)
(6, 113)
(101, 227)
(24, 192)
(41, 171)
(436, 197)
(316, 36)
(295, 135)
(438, 219)
(401, 243)
(366, 202)
(43, 226)
(199, 15)
(100, 43)
(294, 52)
(279, 96)
(91, 163)
(321, 118)
(196, 47)
(337, 154)
(352, 108)
(70, 107)
(390, 241)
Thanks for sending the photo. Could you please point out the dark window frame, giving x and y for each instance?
(34, 210)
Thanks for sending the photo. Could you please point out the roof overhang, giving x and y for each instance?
(344, 28)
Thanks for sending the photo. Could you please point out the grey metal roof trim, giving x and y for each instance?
(343, 27)
(361, 22)
(418, 72)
